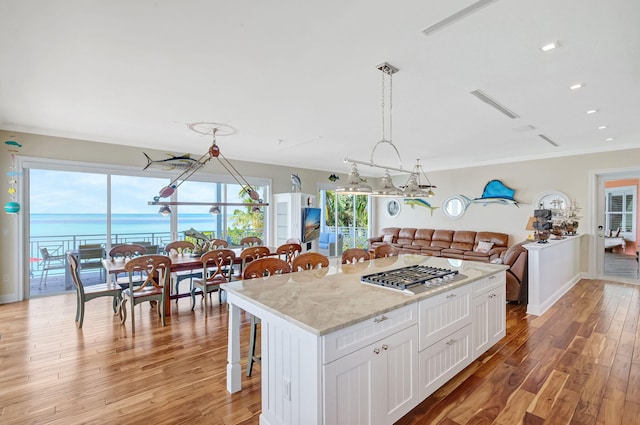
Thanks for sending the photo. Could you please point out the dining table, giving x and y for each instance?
(179, 263)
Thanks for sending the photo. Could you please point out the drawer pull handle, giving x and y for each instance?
(381, 319)
(376, 350)
(492, 276)
(451, 296)
(451, 342)
(385, 347)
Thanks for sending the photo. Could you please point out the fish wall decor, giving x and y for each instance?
(495, 192)
(296, 183)
(181, 162)
(421, 202)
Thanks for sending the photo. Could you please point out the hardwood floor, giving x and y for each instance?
(577, 364)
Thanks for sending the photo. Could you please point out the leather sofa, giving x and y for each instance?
(516, 258)
(462, 244)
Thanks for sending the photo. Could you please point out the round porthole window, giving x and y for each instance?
(454, 206)
(393, 207)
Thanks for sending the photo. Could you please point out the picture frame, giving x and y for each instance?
(393, 208)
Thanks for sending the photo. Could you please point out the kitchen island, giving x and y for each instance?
(335, 350)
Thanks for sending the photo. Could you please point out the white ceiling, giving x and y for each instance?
(298, 79)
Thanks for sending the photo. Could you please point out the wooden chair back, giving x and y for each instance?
(218, 244)
(154, 268)
(217, 265)
(253, 253)
(267, 266)
(180, 247)
(309, 261)
(386, 250)
(75, 273)
(250, 241)
(289, 251)
(355, 255)
(127, 251)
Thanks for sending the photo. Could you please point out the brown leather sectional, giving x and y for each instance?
(462, 244)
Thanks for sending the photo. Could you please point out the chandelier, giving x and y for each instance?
(415, 187)
(212, 129)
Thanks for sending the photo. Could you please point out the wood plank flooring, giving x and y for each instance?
(579, 363)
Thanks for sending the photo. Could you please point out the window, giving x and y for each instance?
(621, 211)
(347, 215)
(72, 204)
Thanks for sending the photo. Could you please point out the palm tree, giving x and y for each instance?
(244, 222)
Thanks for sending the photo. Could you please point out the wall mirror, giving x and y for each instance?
(454, 206)
(551, 200)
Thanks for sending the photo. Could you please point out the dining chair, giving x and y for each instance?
(87, 293)
(50, 262)
(125, 252)
(156, 271)
(309, 261)
(355, 255)
(181, 248)
(218, 244)
(261, 267)
(386, 250)
(217, 268)
(288, 251)
(250, 241)
(251, 253)
(91, 256)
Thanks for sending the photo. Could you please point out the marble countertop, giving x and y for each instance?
(322, 301)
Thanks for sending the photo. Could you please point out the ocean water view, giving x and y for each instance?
(96, 224)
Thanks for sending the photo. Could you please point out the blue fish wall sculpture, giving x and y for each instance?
(421, 202)
(495, 192)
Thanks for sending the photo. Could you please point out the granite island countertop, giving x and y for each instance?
(322, 301)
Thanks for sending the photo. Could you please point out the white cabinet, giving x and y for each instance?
(443, 360)
(489, 313)
(377, 384)
(288, 215)
(445, 337)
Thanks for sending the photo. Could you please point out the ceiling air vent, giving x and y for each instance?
(486, 99)
(546, 139)
(463, 13)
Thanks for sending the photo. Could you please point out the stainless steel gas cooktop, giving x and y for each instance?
(413, 279)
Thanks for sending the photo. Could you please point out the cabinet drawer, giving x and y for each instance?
(443, 314)
(489, 282)
(443, 360)
(352, 338)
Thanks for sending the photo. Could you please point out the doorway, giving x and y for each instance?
(616, 225)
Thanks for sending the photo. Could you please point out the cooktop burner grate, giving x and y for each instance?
(413, 279)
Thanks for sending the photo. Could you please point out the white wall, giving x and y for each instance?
(570, 175)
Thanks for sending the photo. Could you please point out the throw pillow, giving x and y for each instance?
(387, 238)
(484, 246)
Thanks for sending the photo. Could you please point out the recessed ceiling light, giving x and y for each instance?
(608, 139)
(592, 111)
(550, 46)
(576, 86)
(602, 127)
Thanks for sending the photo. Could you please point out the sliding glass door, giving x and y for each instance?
(347, 216)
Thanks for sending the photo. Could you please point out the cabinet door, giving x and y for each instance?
(489, 320)
(443, 360)
(399, 376)
(442, 314)
(377, 384)
(349, 387)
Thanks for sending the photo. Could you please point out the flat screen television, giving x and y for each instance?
(310, 224)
